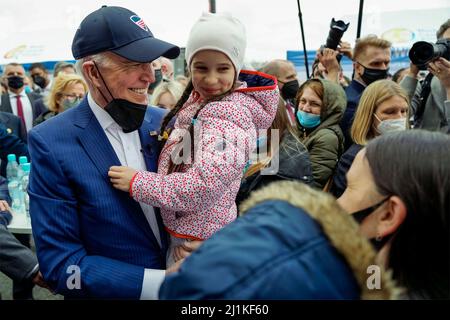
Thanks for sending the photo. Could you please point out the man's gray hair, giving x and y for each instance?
(99, 58)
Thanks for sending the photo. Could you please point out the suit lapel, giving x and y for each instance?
(94, 140)
(150, 149)
(5, 120)
(97, 146)
(6, 104)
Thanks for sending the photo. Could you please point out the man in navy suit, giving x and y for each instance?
(11, 125)
(92, 240)
(17, 101)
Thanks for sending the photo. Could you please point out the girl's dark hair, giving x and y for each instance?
(173, 112)
(415, 166)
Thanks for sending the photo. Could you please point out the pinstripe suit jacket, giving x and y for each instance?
(79, 219)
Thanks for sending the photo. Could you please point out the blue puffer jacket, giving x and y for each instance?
(278, 251)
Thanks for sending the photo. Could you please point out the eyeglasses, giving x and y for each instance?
(73, 97)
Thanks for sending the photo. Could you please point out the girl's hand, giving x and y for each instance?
(121, 177)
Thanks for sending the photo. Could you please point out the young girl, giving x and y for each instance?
(215, 130)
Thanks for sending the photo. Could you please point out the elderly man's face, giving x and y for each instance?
(127, 79)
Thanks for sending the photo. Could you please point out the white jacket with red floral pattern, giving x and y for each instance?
(200, 199)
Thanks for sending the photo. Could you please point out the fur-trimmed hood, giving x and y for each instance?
(338, 226)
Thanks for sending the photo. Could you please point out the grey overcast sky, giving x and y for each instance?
(272, 25)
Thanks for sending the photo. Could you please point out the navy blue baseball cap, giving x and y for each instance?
(121, 31)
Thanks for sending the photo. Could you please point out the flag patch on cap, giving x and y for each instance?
(138, 21)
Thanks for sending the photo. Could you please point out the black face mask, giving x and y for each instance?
(15, 82)
(289, 90)
(158, 79)
(360, 215)
(371, 75)
(128, 115)
(40, 81)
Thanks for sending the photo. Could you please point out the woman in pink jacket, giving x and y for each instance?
(214, 130)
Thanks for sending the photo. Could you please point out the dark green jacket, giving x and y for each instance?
(326, 142)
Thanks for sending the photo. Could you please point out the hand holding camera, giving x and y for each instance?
(328, 58)
(345, 49)
(422, 52)
(440, 68)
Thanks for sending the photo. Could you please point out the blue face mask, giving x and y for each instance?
(308, 120)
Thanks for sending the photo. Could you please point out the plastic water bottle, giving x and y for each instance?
(22, 160)
(15, 192)
(25, 179)
(20, 173)
(11, 167)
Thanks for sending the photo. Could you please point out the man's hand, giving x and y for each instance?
(186, 249)
(174, 268)
(121, 177)
(39, 280)
(441, 69)
(413, 71)
(327, 57)
(346, 49)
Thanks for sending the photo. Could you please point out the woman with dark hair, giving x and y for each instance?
(398, 189)
(291, 242)
(280, 156)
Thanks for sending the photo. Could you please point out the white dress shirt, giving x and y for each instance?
(26, 106)
(127, 147)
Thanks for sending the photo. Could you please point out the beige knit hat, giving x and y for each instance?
(221, 32)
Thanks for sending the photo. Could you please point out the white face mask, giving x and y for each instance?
(391, 125)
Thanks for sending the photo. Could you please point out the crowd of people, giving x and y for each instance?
(226, 183)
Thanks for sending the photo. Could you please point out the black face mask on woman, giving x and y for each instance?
(289, 90)
(360, 215)
(371, 75)
(128, 115)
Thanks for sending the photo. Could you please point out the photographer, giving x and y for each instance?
(328, 57)
(327, 63)
(434, 113)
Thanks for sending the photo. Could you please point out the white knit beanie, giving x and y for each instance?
(221, 32)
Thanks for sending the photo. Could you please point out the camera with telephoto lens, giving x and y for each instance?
(423, 52)
(337, 29)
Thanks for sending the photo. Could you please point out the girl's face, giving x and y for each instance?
(213, 73)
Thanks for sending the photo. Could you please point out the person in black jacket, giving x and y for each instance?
(283, 155)
(16, 261)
